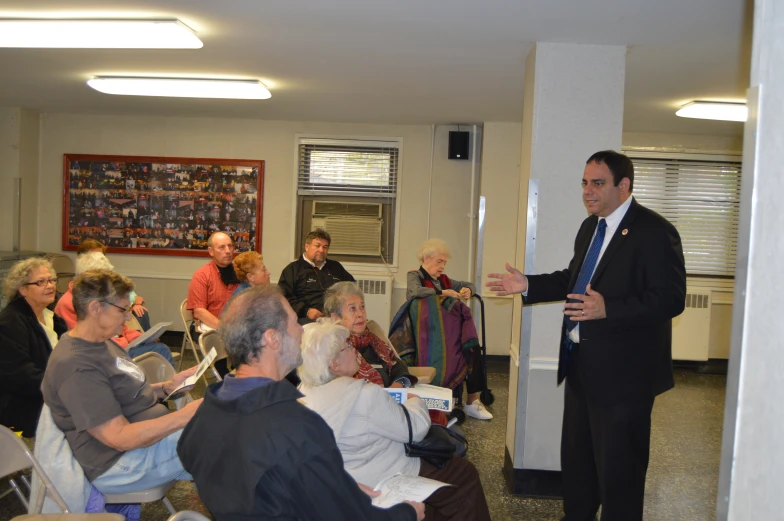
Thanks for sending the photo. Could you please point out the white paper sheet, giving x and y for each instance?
(191, 380)
(398, 488)
(154, 332)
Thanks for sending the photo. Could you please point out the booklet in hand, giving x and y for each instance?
(398, 488)
(192, 379)
(154, 332)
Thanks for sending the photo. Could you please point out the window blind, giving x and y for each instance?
(347, 167)
(702, 200)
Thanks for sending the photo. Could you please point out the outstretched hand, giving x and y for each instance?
(507, 283)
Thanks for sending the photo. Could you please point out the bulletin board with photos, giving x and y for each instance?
(161, 205)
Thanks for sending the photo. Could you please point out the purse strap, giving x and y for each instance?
(408, 420)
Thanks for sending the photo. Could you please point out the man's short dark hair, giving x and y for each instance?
(247, 317)
(619, 164)
(318, 233)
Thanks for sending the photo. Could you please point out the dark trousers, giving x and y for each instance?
(604, 453)
(463, 502)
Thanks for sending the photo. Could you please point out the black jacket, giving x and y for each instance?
(642, 277)
(304, 286)
(265, 455)
(24, 352)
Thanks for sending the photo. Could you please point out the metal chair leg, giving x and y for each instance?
(168, 505)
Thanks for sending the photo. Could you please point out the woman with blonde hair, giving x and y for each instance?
(28, 332)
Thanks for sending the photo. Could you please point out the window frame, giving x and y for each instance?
(391, 265)
(643, 154)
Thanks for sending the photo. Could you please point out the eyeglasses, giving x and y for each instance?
(124, 310)
(42, 283)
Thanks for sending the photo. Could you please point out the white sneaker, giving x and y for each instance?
(477, 410)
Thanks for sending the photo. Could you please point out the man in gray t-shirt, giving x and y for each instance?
(86, 385)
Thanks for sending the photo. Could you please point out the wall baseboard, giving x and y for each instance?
(544, 484)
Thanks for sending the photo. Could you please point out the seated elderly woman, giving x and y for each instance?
(124, 439)
(138, 309)
(65, 309)
(28, 332)
(370, 427)
(429, 280)
(379, 364)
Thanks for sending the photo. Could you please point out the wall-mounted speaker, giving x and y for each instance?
(458, 144)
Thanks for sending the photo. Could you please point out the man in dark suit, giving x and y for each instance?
(625, 283)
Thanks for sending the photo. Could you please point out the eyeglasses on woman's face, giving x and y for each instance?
(124, 310)
(41, 283)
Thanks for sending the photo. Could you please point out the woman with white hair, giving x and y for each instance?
(65, 309)
(371, 429)
(28, 332)
(429, 279)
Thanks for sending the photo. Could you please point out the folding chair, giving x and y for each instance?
(187, 515)
(157, 369)
(17, 457)
(424, 375)
(209, 340)
(187, 321)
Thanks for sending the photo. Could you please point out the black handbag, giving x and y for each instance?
(437, 447)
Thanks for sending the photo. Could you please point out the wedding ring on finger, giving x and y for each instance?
(583, 312)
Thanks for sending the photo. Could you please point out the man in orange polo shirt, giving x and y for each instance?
(213, 283)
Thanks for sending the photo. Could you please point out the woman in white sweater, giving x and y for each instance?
(371, 428)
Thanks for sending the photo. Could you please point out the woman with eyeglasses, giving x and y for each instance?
(124, 439)
(28, 332)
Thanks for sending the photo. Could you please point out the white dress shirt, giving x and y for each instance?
(613, 220)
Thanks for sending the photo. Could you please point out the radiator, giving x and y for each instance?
(691, 329)
(378, 298)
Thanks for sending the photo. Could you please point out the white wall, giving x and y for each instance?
(163, 280)
(9, 169)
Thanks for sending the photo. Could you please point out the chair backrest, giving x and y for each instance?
(212, 339)
(156, 368)
(16, 456)
(185, 313)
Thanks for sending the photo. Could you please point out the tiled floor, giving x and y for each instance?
(682, 478)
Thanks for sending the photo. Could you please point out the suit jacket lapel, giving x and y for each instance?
(618, 238)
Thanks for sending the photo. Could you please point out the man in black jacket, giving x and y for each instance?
(305, 280)
(624, 285)
(254, 451)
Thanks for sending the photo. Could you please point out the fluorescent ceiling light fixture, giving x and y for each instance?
(97, 34)
(180, 87)
(724, 111)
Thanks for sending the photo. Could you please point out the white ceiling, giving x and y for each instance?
(402, 61)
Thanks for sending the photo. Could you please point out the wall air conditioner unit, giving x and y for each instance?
(691, 329)
(378, 297)
(355, 228)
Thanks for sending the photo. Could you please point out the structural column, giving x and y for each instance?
(572, 107)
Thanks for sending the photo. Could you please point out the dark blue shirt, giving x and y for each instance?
(234, 387)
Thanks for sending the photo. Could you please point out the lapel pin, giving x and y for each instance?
(625, 231)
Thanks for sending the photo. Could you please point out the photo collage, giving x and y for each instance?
(140, 205)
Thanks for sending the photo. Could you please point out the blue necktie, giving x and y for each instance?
(589, 265)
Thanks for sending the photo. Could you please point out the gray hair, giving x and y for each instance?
(322, 342)
(20, 272)
(92, 261)
(336, 295)
(101, 285)
(432, 247)
(247, 317)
